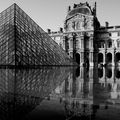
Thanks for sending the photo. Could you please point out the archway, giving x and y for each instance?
(109, 57)
(100, 58)
(77, 56)
(118, 57)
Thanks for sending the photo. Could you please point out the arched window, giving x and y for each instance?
(109, 43)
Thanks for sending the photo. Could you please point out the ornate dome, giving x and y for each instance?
(80, 8)
(83, 10)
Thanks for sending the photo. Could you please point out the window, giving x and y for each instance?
(109, 34)
(109, 44)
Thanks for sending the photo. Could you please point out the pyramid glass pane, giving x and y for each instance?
(7, 50)
(23, 42)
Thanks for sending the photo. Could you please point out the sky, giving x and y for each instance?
(51, 13)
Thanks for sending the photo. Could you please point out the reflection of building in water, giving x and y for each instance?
(110, 78)
(78, 84)
(21, 90)
(106, 93)
(90, 91)
(76, 92)
(80, 103)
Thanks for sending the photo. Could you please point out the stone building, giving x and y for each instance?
(109, 45)
(77, 37)
(79, 32)
(82, 36)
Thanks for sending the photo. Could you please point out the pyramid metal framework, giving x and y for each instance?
(23, 42)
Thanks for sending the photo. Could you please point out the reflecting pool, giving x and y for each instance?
(60, 93)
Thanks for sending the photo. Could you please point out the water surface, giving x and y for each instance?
(60, 93)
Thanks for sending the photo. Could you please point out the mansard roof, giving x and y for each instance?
(82, 8)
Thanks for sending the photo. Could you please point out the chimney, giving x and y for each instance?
(69, 8)
(49, 31)
(75, 5)
(61, 29)
(106, 24)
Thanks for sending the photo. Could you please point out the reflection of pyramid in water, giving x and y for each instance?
(23, 42)
(22, 90)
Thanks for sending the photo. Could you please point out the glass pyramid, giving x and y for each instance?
(23, 42)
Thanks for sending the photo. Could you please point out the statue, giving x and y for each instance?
(73, 25)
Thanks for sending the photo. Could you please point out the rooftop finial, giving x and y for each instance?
(75, 5)
(94, 9)
(69, 8)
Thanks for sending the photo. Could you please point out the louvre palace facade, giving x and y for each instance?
(83, 36)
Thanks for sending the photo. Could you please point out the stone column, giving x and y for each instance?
(81, 58)
(74, 45)
(91, 58)
(104, 73)
(113, 73)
